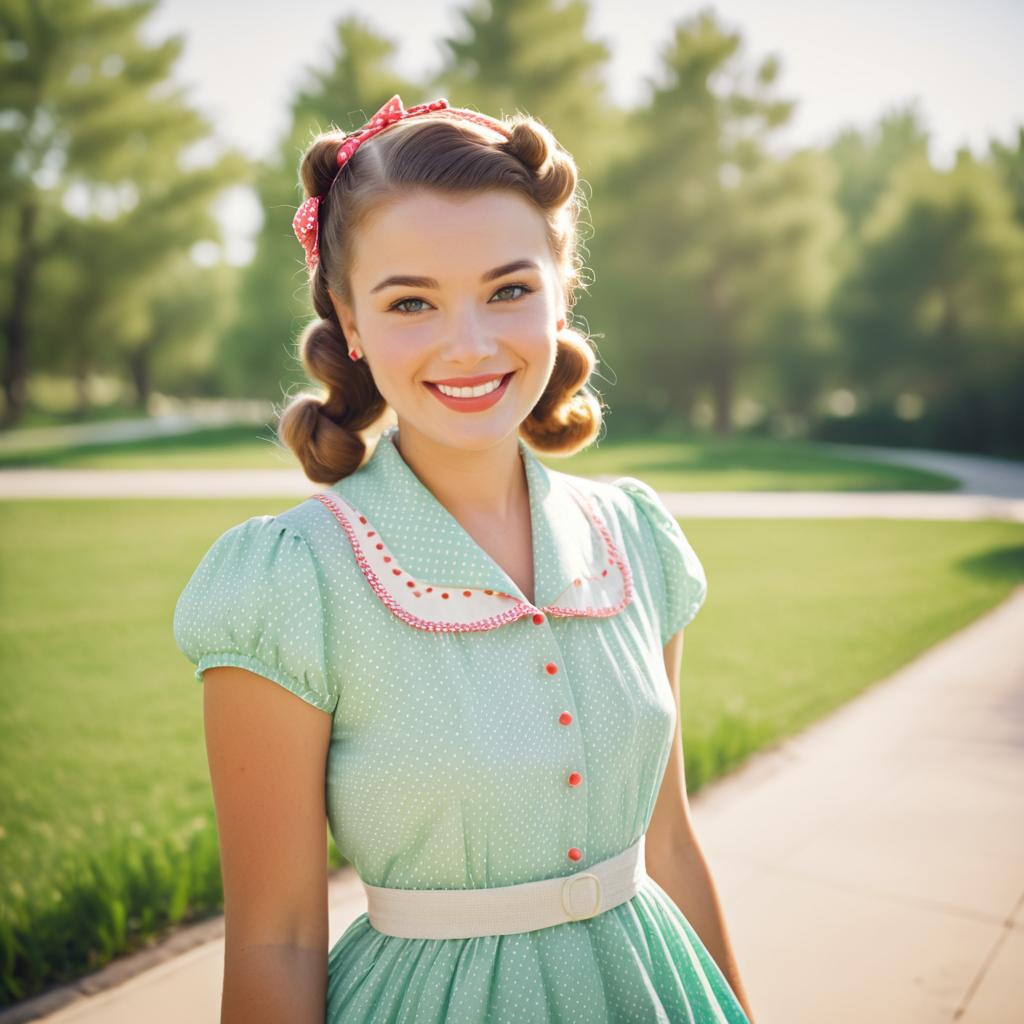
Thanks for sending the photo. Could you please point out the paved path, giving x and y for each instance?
(870, 868)
(179, 418)
(978, 474)
(990, 489)
(278, 483)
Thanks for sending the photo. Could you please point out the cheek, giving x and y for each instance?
(399, 351)
(532, 328)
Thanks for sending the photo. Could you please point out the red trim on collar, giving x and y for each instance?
(503, 607)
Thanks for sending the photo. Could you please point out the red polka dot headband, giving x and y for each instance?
(306, 221)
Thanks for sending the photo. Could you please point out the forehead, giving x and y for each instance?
(452, 235)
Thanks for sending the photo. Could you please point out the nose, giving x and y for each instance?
(467, 340)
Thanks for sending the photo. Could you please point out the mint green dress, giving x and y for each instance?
(478, 739)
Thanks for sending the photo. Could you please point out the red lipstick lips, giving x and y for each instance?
(474, 404)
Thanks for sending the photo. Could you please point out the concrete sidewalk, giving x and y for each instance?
(174, 417)
(978, 474)
(870, 869)
(21, 484)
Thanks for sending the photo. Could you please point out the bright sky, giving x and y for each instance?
(845, 63)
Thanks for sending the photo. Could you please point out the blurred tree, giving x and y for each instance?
(782, 275)
(935, 305)
(1010, 164)
(705, 251)
(867, 160)
(534, 56)
(97, 201)
(112, 314)
(258, 355)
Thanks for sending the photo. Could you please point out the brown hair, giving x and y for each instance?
(448, 156)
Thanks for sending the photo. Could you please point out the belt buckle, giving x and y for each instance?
(567, 887)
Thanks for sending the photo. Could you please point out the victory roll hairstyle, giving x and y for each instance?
(450, 156)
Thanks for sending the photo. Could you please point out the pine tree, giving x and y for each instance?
(97, 204)
(534, 56)
(699, 239)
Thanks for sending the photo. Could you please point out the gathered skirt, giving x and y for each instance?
(638, 962)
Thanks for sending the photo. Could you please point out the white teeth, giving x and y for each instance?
(483, 389)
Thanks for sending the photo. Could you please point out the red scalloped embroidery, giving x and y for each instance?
(520, 608)
(615, 557)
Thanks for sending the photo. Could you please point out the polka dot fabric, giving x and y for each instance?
(255, 601)
(684, 586)
(477, 758)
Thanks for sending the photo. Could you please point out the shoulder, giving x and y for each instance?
(261, 558)
(267, 561)
(256, 601)
(629, 505)
(658, 545)
(259, 542)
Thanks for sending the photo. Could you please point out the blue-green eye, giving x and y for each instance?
(402, 302)
(521, 287)
(504, 288)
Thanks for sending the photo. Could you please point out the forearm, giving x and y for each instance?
(273, 985)
(684, 875)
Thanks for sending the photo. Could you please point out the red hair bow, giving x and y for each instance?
(305, 224)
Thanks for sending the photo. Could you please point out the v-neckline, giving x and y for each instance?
(391, 436)
(431, 544)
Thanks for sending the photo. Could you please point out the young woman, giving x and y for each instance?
(485, 650)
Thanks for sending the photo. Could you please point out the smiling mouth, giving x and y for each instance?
(476, 391)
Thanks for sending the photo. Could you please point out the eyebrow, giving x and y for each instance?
(409, 281)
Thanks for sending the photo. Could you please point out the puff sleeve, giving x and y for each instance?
(684, 582)
(255, 601)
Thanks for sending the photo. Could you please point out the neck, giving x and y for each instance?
(481, 486)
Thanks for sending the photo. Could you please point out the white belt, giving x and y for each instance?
(465, 913)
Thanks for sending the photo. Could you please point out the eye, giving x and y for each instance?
(402, 302)
(521, 287)
(396, 306)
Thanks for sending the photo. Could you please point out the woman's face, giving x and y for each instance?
(457, 321)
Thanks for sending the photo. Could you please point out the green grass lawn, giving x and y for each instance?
(107, 831)
(693, 464)
(35, 415)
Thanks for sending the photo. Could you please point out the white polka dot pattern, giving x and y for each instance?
(472, 759)
(255, 601)
(685, 584)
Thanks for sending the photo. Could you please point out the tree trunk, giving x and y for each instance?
(722, 383)
(82, 388)
(15, 326)
(723, 359)
(142, 376)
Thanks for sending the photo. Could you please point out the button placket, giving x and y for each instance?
(576, 809)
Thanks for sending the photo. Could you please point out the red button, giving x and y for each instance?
(538, 619)
(551, 667)
(565, 718)
(574, 853)
(575, 778)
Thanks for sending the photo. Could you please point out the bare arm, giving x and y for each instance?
(267, 752)
(674, 857)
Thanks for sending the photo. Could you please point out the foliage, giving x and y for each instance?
(844, 288)
(103, 196)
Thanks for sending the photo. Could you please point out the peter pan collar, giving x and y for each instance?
(427, 569)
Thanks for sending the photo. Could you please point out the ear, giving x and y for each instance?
(346, 317)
